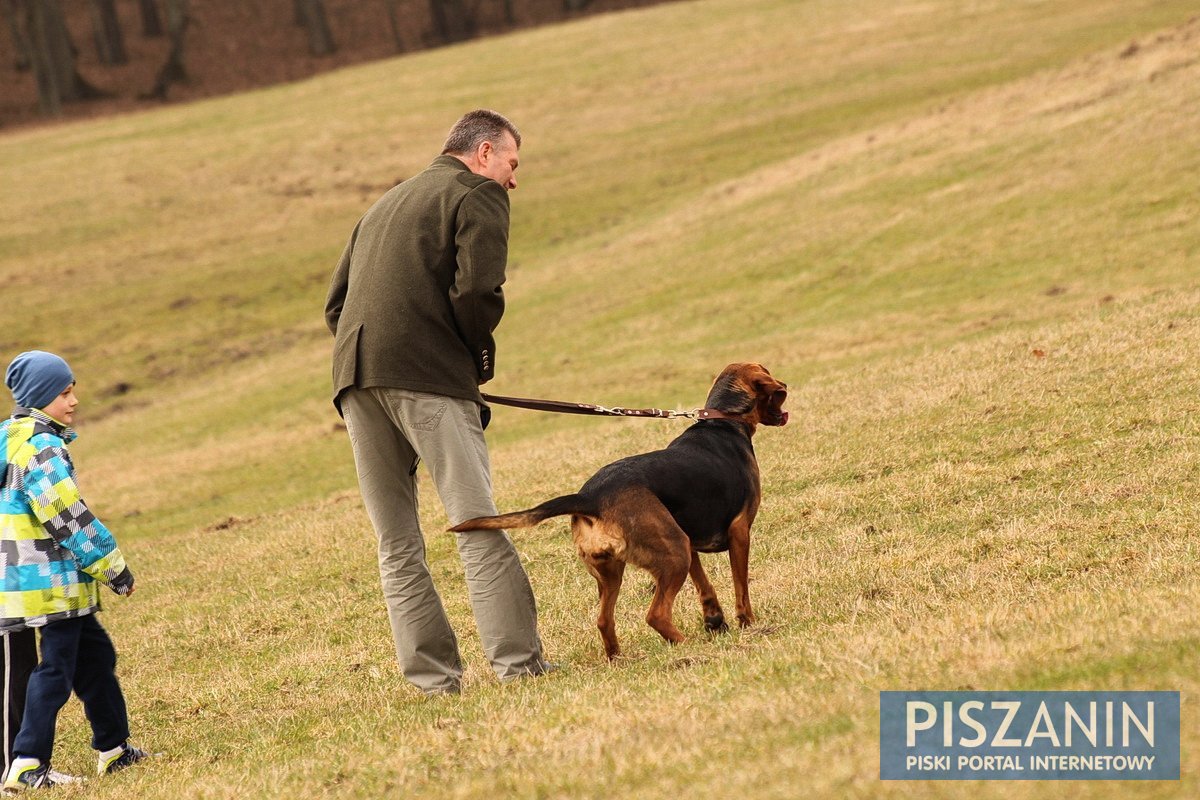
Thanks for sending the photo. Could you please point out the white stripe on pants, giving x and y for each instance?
(20, 659)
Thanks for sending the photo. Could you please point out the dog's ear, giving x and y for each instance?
(770, 395)
(763, 382)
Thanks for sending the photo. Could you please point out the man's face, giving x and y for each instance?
(499, 162)
(62, 408)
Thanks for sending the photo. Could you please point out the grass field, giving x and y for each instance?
(965, 233)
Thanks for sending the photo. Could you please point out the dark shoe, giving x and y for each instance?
(532, 671)
(126, 758)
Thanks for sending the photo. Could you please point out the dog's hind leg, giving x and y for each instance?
(636, 528)
(608, 573)
(663, 550)
(669, 577)
(714, 617)
(601, 548)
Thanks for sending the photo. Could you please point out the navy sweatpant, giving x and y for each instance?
(76, 655)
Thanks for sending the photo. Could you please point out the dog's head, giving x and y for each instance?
(748, 392)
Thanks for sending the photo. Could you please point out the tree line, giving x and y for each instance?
(43, 44)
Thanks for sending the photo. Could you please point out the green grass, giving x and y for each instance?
(964, 233)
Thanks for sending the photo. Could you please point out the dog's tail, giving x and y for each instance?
(567, 504)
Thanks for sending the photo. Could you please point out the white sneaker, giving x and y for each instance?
(29, 773)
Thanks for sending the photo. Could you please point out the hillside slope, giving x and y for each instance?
(964, 233)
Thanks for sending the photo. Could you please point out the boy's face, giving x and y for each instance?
(62, 408)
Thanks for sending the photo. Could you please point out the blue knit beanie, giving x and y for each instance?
(37, 377)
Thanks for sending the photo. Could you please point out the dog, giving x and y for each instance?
(660, 510)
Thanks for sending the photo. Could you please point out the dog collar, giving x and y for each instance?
(712, 413)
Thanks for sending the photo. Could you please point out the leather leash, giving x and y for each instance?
(560, 407)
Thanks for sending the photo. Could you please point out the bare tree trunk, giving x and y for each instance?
(509, 16)
(151, 22)
(53, 63)
(24, 60)
(53, 57)
(173, 70)
(452, 20)
(106, 29)
(298, 13)
(394, 19)
(320, 39)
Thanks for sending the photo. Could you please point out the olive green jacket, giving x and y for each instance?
(417, 293)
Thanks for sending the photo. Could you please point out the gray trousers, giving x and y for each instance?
(390, 429)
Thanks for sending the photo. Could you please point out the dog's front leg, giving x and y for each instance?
(714, 616)
(739, 565)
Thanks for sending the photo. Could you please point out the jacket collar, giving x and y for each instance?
(67, 434)
(450, 161)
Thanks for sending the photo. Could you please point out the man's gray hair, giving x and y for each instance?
(477, 127)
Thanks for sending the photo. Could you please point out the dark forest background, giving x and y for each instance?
(72, 58)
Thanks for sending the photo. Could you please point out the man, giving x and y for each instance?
(412, 306)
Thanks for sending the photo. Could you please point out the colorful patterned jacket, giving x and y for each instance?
(52, 550)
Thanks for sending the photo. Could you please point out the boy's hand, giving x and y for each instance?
(123, 584)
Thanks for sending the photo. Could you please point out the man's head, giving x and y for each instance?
(43, 380)
(487, 143)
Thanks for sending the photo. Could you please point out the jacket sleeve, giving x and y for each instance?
(55, 500)
(476, 297)
(338, 287)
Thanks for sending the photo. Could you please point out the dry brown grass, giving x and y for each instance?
(963, 233)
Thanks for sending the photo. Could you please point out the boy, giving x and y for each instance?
(52, 552)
